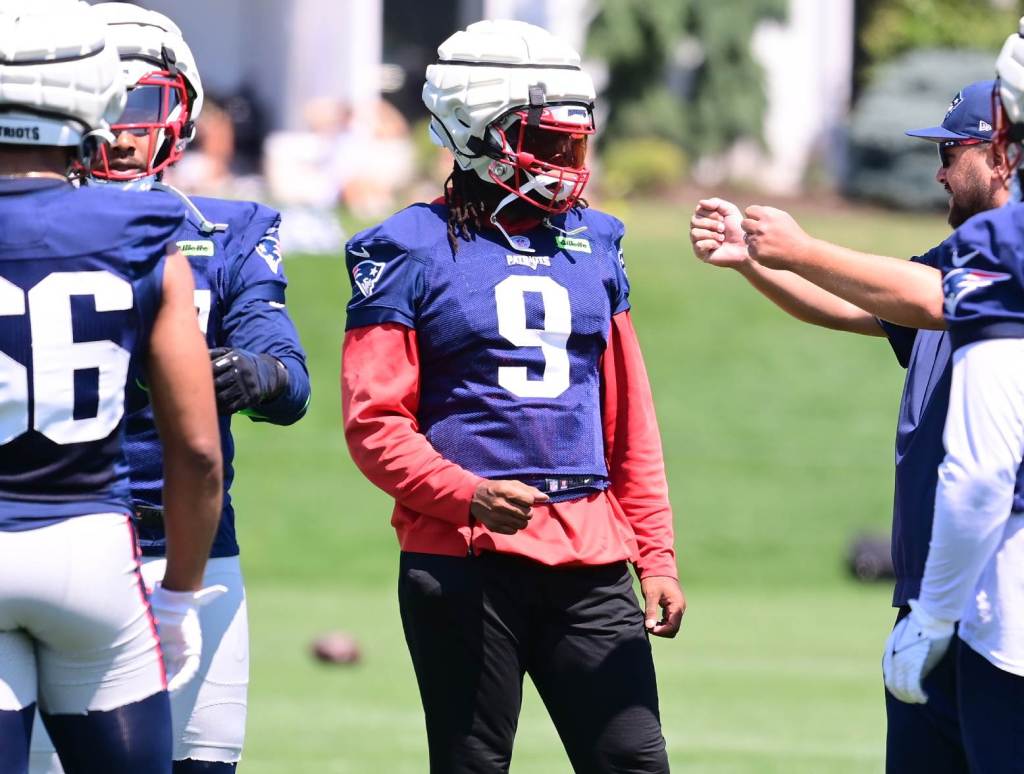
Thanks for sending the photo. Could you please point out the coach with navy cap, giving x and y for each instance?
(968, 120)
(874, 295)
(968, 125)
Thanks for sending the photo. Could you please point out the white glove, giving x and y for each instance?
(177, 622)
(916, 645)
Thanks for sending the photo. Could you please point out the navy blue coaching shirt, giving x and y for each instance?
(240, 302)
(926, 355)
(81, 273)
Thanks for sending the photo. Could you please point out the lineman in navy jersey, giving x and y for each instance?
(974, 573)
(258, 364)
(493, 385)
(90, 284)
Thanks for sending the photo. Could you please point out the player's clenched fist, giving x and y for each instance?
(716, 235)
(773, 238)
(504, 506)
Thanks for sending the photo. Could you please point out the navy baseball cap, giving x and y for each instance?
(969, 117)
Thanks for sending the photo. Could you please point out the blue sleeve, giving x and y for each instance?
(256, 319)
(620, 293)
(387, 284)
(982, 279)
(901, 338)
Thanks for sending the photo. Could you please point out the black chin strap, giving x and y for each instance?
(537, 100)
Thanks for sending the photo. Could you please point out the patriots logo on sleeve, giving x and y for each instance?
(365, 274)
(962, 282)
(269, 249)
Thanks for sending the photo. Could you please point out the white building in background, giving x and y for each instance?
(808, 62)
(290, 52)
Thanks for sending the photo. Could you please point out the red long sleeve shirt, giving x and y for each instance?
(631, 520)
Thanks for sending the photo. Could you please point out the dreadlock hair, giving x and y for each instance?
(470, 202)
(464, 198)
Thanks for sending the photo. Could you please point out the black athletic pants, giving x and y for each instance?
(475, 625)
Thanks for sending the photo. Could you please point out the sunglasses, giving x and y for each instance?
(946, 157)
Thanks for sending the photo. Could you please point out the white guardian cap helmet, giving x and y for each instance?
(60, 82)
(165, 93)
(513, 104)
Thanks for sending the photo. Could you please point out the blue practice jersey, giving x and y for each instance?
(81, 272)
(927, 356)
(983, 282)
(509, 341)
(240, 302)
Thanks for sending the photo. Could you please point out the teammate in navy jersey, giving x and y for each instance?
(257, 360)
(91, 287)
(493, 385)
(974, 573)
(837, 288)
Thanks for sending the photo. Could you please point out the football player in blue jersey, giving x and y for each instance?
(974, 573)
(91, 286)
(493, 385)
(837, 288)
(258, 363)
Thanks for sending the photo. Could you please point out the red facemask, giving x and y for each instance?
(154, 121)
(547, 148)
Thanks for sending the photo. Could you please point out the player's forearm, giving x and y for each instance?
(290, 406)
(809, 303)
(181, 390)
(380, 388)
(902, 292)
(984, 440)
(635, 460)
(260, 324)
(193, 496)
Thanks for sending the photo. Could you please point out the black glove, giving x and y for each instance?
(244, 379)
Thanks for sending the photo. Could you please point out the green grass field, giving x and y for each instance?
(778, 441)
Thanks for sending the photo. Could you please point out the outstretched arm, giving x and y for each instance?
(718, 239)
(181, 391)
(903, 292)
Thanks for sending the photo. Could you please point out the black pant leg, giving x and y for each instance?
(593, 667)
(15, 733)
(464, 650)
(991, 714)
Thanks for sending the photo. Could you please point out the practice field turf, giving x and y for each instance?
(778, 441)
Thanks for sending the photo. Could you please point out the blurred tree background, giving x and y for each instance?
(681, 77)
(912, 57)
(890, 28)
(683, 83)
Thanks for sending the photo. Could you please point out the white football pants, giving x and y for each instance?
(209, 712)
(76, 631)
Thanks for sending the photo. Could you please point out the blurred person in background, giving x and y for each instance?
(225, 155)
(206, 169)
(974, 574)
(254, 352)
(841, 289)
(492, 383)
(91, 285)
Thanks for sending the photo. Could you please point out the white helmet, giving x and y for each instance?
(165, 93)
(1010, 68)
(60, 83)
(512, 103)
